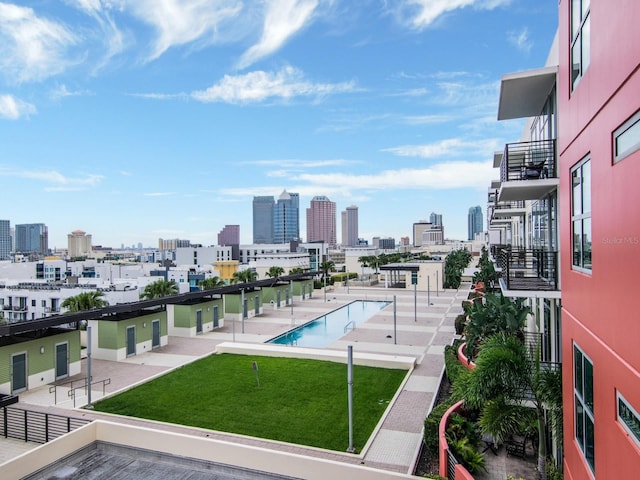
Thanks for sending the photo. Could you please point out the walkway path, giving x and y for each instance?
(422, 332)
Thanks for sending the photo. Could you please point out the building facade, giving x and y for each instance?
(229, 235)
(32, 238)
(5, 239)
(78, 244)
(286, 218)
(436, 219)
(263, 210)
(474, 222)
(349, 218)
(321, 221)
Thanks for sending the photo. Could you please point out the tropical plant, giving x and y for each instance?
(84, 301)
(275, 272)
(496, 314)
(370, 261)
(244, 276)
(467, 454)
(211, 283)
(159, 288)
(487, 272)
(295, 270)
(504, 382)
(454, 265)
(326, 267)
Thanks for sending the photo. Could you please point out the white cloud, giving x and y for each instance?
(521, 40)
(32, 48)
(159, 194)
(61, 182)
(259, 85)
(61, 91)
(444, 148)
(423, 13)
(283, 18)
(14, 108)
(294, 163)
(181, 22)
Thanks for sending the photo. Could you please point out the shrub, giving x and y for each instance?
(459, 323)
(432, 425)
(453, 368)
(467, 454)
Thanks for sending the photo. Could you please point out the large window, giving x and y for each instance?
(626, 139)
(581, 215)
(583, 398)
(580, 39)
(629, 419)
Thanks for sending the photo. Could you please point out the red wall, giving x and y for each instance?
(600, 310)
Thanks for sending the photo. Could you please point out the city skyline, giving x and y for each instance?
(141, 120)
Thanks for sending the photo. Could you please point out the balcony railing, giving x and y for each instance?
(529, 269)
(508, 205)
(528, 161)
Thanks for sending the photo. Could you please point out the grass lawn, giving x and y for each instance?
(298, 401)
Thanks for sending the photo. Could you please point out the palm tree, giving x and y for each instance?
(327, 267)
(211, 283)
(244, 276)
(505, 378)
(84, 301)
(159, 289)
(295, 270)
(275, 272)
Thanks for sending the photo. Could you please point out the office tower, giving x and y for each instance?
(436, 219)
(286, 218)
(229, 235)
(172, 244)
(32, 238)
(350, 226)
(78, 244)
(321, 221)
(263, 218)
(418, 229)
(5, 239)
(474, 222)
(387, 243)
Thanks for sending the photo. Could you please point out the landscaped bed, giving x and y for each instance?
(290, 400)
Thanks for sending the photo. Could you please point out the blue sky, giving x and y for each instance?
(139, 119)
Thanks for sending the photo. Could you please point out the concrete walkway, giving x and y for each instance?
(421, 331)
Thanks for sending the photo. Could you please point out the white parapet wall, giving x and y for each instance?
(379, 360)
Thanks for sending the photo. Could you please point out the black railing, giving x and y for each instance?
(508, 205)
(36, 427)
(495, 250)
(529, 269)
(528, 161)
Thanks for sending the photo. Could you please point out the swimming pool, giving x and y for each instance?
(327, 328)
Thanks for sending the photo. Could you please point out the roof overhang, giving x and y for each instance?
(523, 94)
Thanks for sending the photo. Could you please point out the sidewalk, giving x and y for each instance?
(422, 333)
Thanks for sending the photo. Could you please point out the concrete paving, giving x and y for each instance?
(421, 330)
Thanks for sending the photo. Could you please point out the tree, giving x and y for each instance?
(159, 289)
(454, 265)
(295, 270)
(211, 283)
(507, 376)
(327, 267)
(84, 301)
(275, 272)
(244, 276)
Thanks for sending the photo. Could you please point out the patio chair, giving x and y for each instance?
(515, 446)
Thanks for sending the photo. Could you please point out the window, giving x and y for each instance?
(626, 139)
(580, 39)
(629, 419)
(581, 215)
(583, 399)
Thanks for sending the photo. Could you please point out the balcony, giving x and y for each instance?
(528, 270)
(528, 171)
(508, 210)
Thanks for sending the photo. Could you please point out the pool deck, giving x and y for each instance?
(420, 335)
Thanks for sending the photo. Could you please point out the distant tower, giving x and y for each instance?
(263, 208)
(321, 220)
(436, 219)
(474, 222)
(350, 226)
(286, 218)
(32, 238)
(5, 239)
(79, 244)
(229, 235)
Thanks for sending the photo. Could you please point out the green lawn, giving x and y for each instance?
(298, 401)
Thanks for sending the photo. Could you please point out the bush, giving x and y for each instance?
(459, 323)
(453, 368)
(467, 454)
(432, 425)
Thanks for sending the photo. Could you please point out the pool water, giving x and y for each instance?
(327, 328)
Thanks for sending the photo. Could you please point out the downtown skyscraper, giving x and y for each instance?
(321, 221)
(32, 238)
(474, 222)
(349, 218)
(263, 209)
(286, 218)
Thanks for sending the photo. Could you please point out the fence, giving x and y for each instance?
(37, 427)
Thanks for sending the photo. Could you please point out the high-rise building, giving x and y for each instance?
(436, 219)
(474, 222)
(79, 244)
(321, 221)
(229, 235)
(263, 219)
(5, 239)
(350, 226)
(172, 244)
(32, 238)
(286, 218)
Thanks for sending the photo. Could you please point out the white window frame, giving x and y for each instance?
(583, 215)
(632, 123)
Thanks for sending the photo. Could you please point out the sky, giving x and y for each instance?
(135, 120)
